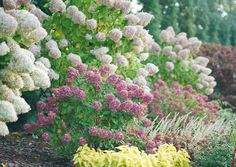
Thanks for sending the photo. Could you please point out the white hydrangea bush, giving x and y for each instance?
(178, 61)
(21, 69)
(81, 31)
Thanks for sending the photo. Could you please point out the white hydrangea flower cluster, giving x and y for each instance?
(23, 23)
(179, 47)
(23, 72)
(53, 49)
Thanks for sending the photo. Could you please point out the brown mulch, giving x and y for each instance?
(21, 150)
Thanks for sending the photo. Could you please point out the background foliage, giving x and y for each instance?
(210, 21)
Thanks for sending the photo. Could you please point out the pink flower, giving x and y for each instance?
(72, 72)
(29, 128)
(138, 110)
(121, 86)
(124, 94)
(104, 134)
(97, 105)
(104, 70)
(82, 141)
(126, 106)
(114, 104)
(79, 93)
(155, 108)
(147, 98)
(41, 105)
(150, 145)
(46, 137)
(82, 68)
(113, 79)
(118, 136)
(93, 131)
(109, 97)
(51, 117)
(160, 115)
(62, 92)
(94, 77)
(66, 138)
(42, 119)
(147, 122)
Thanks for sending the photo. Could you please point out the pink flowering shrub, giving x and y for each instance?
(182, 100)
(93, 108)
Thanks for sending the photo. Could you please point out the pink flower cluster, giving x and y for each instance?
(180, 99)
(106, 134)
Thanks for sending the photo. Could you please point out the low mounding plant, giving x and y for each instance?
(182, 100)
(178, 62)
(218, 153)
(131, 157)
(94, 108)
(19, 69)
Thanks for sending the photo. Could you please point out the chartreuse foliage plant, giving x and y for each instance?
(20, 69)
(99, 32)
(128, 156)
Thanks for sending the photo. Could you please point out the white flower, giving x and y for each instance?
(170, 66)
(209, 91)
(205, 70)
(181, 39)
(143, 72)
(199, 86)
(4, 49)
(23, 2)
(144, 56)
(6, 93)
(91, 24)
(132, 19)
(74, 59)
(55, 53)
(196, 67)
(35, 49)
(8, 25)
(212, 84)
(178, 48)
(88, 37)
(106, 59)
(115, 35)
(121, 60)
(144, 18)
(7, 112)
(63, 43)
(151, 68)
(113, 68)
(77, 16)
(57, 6)
(130, 31)
(155, 48)
(167, 50)
(20, 105)
(41, 78)
(141, 81)
(38, 13)
(91, 9)
(101, 36)
(41, 66)
(3, 129)
(184, 54)
(194, 44)
(51, 44)
(129, 81)
(35, 36)
(108, 3)
(13, 80)
(100, 51)
(123, 5)
(21, 62)
(45, 62)
(9, 4)
(28, 82)
(165, 36)
(203, 61)
(53, 75)
(128, 55)
(173, 56)
(27, 22)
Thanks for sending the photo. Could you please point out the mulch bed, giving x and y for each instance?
(21, 150)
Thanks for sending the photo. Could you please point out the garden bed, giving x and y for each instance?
(21, 150)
